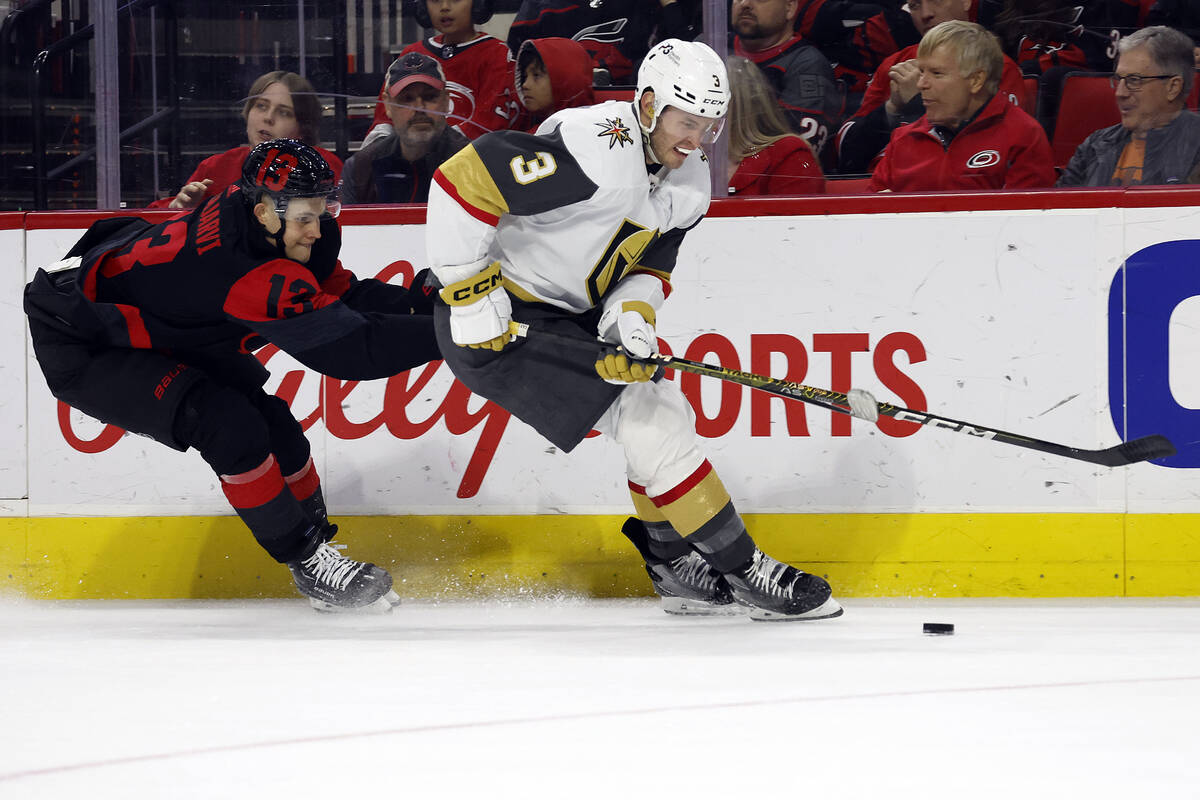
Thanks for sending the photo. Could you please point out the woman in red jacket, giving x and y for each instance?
(280, 105)
(765, 156)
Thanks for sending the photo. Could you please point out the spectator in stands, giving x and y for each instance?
(1157, 141)
(552, 74)
(801, 76)
(856, 37)
(478, 67)
(280, 105)
(1050, 39)
(765, 156)
(399, 167)
(892, 98)
(971, 137)
(616, 33)
(1182, 15)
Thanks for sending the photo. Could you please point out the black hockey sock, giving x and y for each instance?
(656, 541)
(271, 512)
(305, 486)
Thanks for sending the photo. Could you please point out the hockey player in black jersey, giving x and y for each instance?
(151, 327)
(575, 230)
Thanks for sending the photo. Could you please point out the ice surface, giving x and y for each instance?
(582, 698)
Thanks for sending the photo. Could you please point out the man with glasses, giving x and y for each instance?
(575, 231)
(1157, 140)
(151, 327)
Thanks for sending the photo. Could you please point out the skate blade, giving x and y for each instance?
(700, 608)
(827, 610)
(382, 605)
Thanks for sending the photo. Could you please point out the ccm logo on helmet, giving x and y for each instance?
(984, 158)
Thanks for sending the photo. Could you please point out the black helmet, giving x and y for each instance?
(287, 169)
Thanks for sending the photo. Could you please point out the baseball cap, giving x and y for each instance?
(414, 68)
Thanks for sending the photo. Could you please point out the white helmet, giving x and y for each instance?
(687, 75)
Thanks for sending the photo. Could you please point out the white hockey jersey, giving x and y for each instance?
(568, 212)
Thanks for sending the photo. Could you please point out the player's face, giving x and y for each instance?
(928, 13)
(418, 113)
(272, 116)
(536, 87)
(761, 19)
(302, 227)
(1148, 107)
(452, 18)
(677, 135)
(947, 94)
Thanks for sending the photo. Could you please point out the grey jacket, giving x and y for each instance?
(1172, 153)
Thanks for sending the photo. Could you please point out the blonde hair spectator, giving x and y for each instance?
(976, 47)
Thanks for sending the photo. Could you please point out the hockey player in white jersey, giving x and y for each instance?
(575, 230)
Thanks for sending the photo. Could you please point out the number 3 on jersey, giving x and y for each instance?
(526, 172)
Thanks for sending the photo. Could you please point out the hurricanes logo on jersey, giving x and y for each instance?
(616, 131)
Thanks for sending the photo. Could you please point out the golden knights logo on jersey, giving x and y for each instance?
(622, 253)
(616, 131)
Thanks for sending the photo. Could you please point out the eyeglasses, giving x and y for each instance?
(1135, 82)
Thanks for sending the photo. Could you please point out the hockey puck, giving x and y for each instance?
(937, 628)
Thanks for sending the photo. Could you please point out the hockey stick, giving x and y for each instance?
(1144, 449)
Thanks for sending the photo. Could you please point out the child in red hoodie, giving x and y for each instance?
(552, 74)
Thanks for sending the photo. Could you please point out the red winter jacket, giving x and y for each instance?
(570, 69)
(787, 166)
(1002, 148)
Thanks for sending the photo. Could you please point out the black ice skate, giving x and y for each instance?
(686, 583)
(689, 586)
(773, 590)
(333, 582)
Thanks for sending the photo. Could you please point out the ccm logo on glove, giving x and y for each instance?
(473, 288)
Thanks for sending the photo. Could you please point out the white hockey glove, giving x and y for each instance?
(479, 310)
(629, 323)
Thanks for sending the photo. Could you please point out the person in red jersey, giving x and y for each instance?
(892, 98)
(478, 67)
(280, 105)
(765, 157)
(151, 327)
(971, 137)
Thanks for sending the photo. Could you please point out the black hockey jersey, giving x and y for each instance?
(209, 282)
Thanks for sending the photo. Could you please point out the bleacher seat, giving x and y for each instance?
(1028, 103)
(1085, 105)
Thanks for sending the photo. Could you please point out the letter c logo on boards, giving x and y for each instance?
(1149, 372)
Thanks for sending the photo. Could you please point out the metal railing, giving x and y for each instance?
(168, 115)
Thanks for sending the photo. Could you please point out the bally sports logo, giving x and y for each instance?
(984, 158)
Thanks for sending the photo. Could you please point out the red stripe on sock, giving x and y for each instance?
(304, 481)
(254, 487)
(637, 488)
(685, 486)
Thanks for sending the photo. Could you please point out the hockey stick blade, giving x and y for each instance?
(1146, 448)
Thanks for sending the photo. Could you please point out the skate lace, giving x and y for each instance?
(693, 569)
(765, 574)
(330, 567)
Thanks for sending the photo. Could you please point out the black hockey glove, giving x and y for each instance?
(422, 293)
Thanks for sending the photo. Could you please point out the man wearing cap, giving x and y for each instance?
(399, 167)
